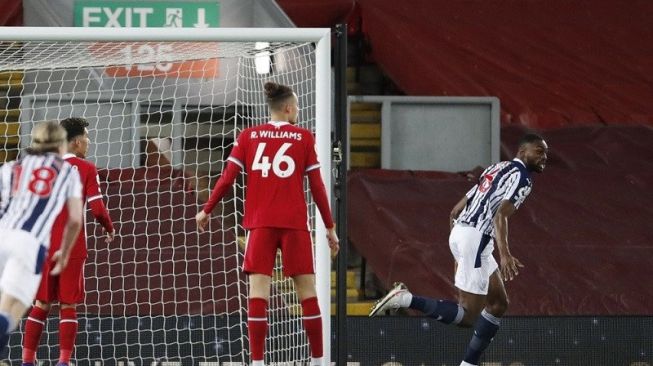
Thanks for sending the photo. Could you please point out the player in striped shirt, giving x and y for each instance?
(477, 221)
(276, 157)
(33, 189)
(68, 287)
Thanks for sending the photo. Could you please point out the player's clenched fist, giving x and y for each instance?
(334, 242)
(202, 218)
(60, 261)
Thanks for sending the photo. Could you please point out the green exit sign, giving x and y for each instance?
(142, 14)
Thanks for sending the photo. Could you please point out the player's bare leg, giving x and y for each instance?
(497, 297)
(311, 315)
(473, 305)
(257, 318)
(488, 322)
(305, 286)
(11, 310)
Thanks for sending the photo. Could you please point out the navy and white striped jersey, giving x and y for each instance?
(33, 190)
(507, 180)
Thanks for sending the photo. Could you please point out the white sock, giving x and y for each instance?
(316, 361)
(466, 364)
(258, 363)
(405, 299)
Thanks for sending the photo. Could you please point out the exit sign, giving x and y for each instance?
(142, 14)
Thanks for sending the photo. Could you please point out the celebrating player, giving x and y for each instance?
(276, 156)
(478, 220)
(33, 189)
(68, 287)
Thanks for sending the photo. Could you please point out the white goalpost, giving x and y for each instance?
(165, 106)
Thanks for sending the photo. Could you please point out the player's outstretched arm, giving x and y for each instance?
(226, 180)
(70, 232)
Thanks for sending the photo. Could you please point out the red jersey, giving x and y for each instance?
(90, 194)
(276, 156)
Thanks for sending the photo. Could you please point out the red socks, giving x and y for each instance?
(257, 322)
(313, 325)
(33, 328)
(67, 333)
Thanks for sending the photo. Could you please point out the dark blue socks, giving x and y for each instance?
(484, 330)
(5, 329)
(445, 311)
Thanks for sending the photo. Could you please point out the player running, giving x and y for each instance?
(33, 189)
(478, 220)
(276, 156)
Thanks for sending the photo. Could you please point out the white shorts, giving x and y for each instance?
(21, 262)
(473, 254)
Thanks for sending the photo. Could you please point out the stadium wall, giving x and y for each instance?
(583, 234)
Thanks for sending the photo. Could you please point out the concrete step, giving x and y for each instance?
(9, 133)
(365, 159)
(8, 154)
(9, 115)
(364, 106)
(359, 308)
(352, 293)
(365, 115)
(365, 144)
(355, 308)
(9, 128)
(351, 279)
(11, 81)
(365, 131)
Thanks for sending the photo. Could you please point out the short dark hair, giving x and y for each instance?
(74, 126)
(276, 94)
(529, 138)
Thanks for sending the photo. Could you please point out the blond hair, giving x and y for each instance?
(47, 136)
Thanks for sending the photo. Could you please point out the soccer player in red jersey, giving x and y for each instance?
(68, 287)
(276, 156)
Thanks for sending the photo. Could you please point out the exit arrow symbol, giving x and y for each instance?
(201, 19)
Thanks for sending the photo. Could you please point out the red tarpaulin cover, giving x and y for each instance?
(584, 234)
(551, 63)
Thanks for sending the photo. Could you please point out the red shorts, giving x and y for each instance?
(296, 251)
(67, 287)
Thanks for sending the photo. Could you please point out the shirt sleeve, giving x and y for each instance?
(518, 188)
(238, 152)
(92, 184)
(94, 198)
(226, 180)
(320, 197)
(311, 162)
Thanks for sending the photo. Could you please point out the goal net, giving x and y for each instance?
(164, 111)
